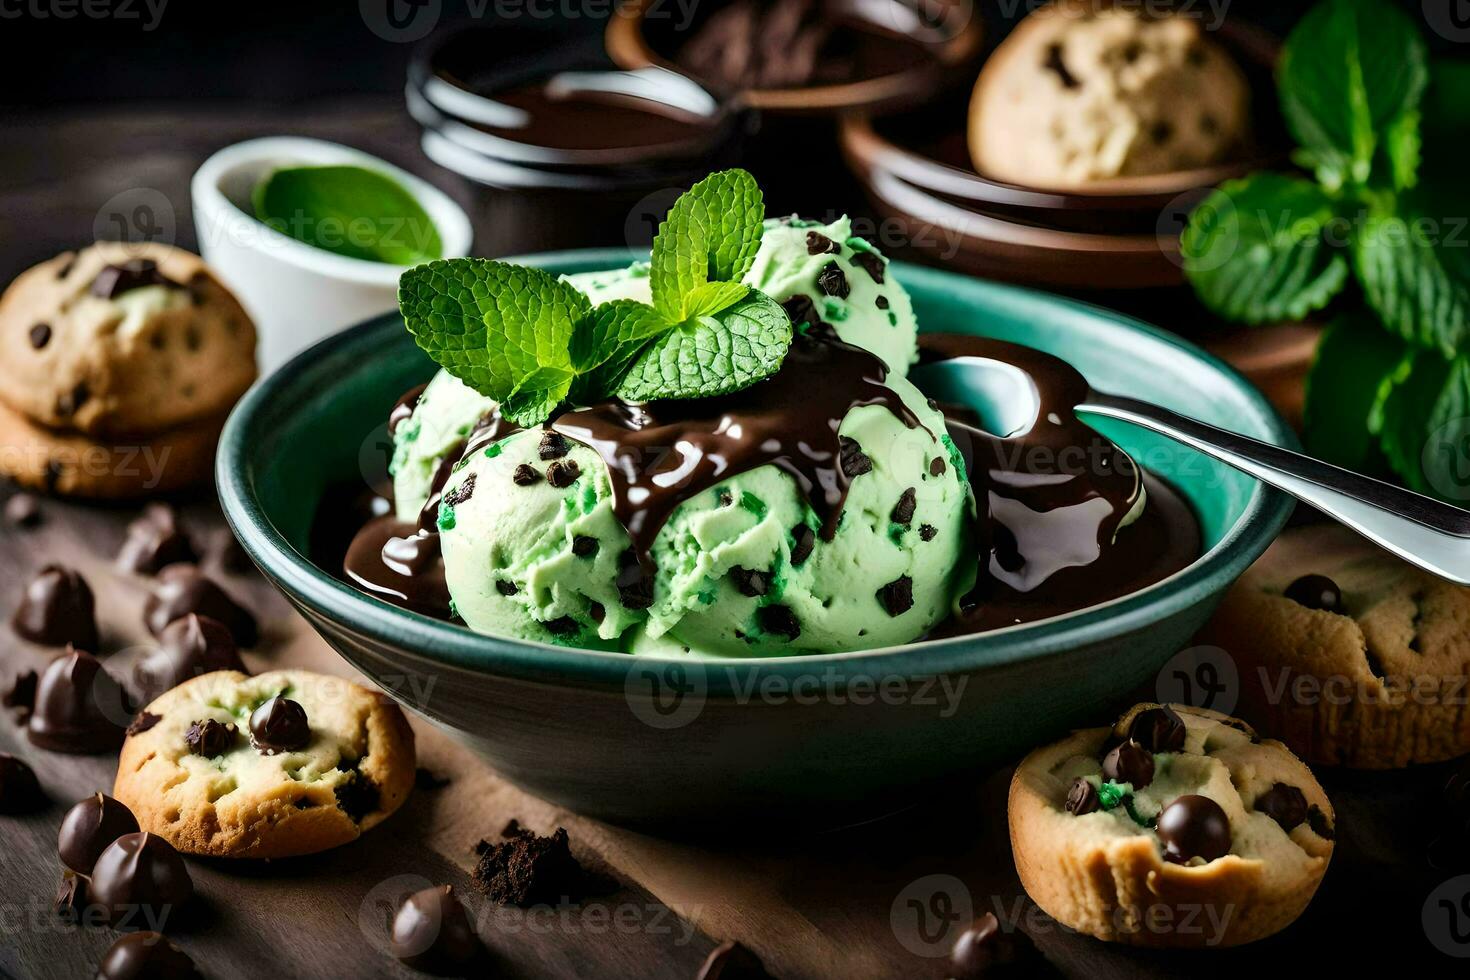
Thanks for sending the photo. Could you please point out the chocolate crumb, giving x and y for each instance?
(872, 264)
(143, 721)
(927, 532)
(751, 581)
(805, 539)
(897, 596)
(357, 797)
(726, 498)
(563, 473)
(554, 445)
(1055, 64)
(506, 588)
(562, 626)
(833, 281)
(461, 493)
(903, 511)
(584, 546)
(854, 461)
(525, 869)
(209, 738)
(40, 335)
(779, 620)
(937, 466)
(818, 243)
(1317, 820)
(525, 475)
(881, 302)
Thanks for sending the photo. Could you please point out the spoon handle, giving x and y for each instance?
(1433, 535)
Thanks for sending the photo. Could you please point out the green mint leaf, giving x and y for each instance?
(1255, 250)
(502, 329)
(606, 342)
(1414, 267)
(1425, 424)
(1351, 377)
(350, 211)
(713, 297)
(711, 234)
(712, 355)
(537, 396)
(1347, 72)
(1403, 146)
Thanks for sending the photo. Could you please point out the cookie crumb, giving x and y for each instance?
(526, 869)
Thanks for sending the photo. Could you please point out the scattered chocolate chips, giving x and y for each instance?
(804, 540)
(279, 725)
(554, 445)
(71, 897)
(584, 546)
(985, 950)
(155, 541)
(20, 697)
(927, 532)
(525, 475)
(872, 264)
(1285, 804)
(853, 460)
(751, 581)
(140, 879)
(506, 588)
(57, 608)
(432, 933)
(525, 869)
(210, 738)
(732, 961)
(1158, 730)
(1316, 592)
(142, 722)
(563, 473)
(79, 707)
(833, 281)
(183, 589)
(20, 790)
(461, 493)
(140, 955)
(818, 244)
(89, 827)
(1082, 797)
(1129, 762)
(1193, 827)
(1317, 820)
(903, 511)
(897, 596)
(189, 646)
(779, 620)
(357, 796)
(40, 335)
(22, 510)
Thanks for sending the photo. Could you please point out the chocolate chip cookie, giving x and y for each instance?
(276, 765)
(1176, 827)
(1347, 654)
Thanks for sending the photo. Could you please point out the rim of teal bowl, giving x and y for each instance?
(413, 635)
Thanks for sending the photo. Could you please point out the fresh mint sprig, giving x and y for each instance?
(531, 341)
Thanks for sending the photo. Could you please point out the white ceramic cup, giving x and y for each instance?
(297, 293)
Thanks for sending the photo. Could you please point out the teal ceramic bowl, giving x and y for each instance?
(682, 746)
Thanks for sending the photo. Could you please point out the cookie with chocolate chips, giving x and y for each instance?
(1172, 812)
(1347, 654)
(275, 765)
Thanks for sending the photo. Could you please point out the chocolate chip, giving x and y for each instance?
(563, 473)
(279, 725)
(357, 797)
(726, 498)
(903, 511)
(525, 475)
(21, 696)
(584, 546)
(562, 626)
(881, 302)
(937, 466)
(1055, 64)
(140, 877)
(554, 445)
(146, 954)
(188, 647)
(750, 581)
(597, 611)
(833, 281)
(20, 790)
(22, 510)
(210, 738)
(114, 280)
(897, 596)
(1082, 797)
(505, 588)
(635, 586)
(1158, 730)
(155, 540)
(732, 961)
(432, 933)
(853, 460)
(1316, 592)
(89, 827)
(1129, 762)
(461, 493)
(818, 243)
(1285, 804)
(1193, 827)
(77, 707)
(57, 608)
(927, 532)
(779, 620)
(142, 722)
(1317, 820)
(183, 589)
(985, 950)
(873, 265)
(804, 539)
(40, 335)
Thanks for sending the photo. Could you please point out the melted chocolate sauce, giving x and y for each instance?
(400, 564)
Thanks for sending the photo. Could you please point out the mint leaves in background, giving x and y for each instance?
(1380, 129)
(531, 341)
(350, 211)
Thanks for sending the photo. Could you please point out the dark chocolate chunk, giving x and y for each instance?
(461, 493)
(79, 707)
(635, 586)
(779, 620)
(897, 596)
(40, 335)
(114, 280)
(22, 510)
(357, 797)
(20, 790)
(525, 869)
(554, 445)
(804, 539)
(1129, 762)
(146, 956)
(751, 581)
(154, 542)
(818, 243)
(89, 827)
(189, 646)
(1193, 827)
(1158, 730)
(142, 722)
(872, 264)
(56, 609)
(584, 546)
(525, 475)
(597, 611)
(1055, 64)
(210, 738)
(1317, 820)
(1285, 804)
(183, 589)
(833, 281)
(21, 695)
(987, 951)
(881, 302)
(1082, 797)
(726, 498)
(903, 511)
(279, 725)
(732, 961)
(562, 626)
(854, 461)
(927, 532)
(140, 879)
(1316, 592)
(563, 473)
(506, 588)
(432, 933)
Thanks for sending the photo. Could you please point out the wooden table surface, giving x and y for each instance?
(836, 905)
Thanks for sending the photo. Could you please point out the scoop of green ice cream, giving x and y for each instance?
(443, 418)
